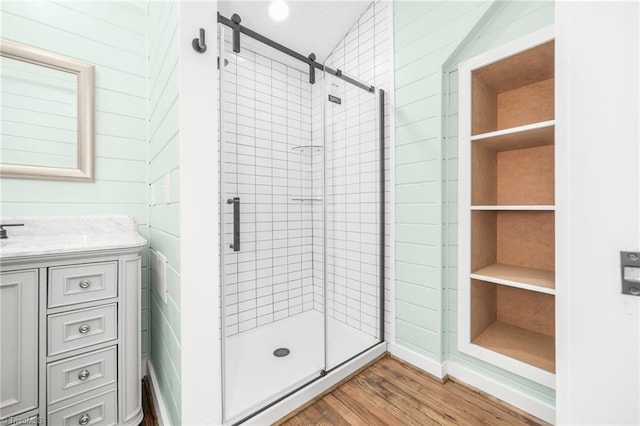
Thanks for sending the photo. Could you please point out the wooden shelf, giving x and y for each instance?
(514, 208)
(531, 279)
(536, 349)
(529, 136)
(512, 176)
(522, 69)
(507, 207)
(515, 91)
(509, 237)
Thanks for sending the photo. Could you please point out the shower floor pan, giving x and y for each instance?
(254, 376)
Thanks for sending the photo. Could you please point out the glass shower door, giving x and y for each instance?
(273, 328)
(353, 206)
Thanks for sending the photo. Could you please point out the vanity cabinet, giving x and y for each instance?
(18, 342)
(71, 343)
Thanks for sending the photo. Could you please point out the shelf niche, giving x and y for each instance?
(514, 322)
(518, 238)
(515, 168)
(515, 91)
(507, 207)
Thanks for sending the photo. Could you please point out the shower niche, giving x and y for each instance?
(303, 295)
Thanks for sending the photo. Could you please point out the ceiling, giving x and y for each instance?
(312, 26)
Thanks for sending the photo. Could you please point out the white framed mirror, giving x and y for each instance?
(47, 104)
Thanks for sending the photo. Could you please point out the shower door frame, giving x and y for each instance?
(237, 30)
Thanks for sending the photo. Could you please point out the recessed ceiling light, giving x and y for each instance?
(279, 10)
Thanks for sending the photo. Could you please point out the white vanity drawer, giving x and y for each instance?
(82, 283)
(80, 374)
(81, 328)
(97, 411)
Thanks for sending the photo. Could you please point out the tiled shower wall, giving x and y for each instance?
(267, 134)
(273, 128)
(352, 174)
(353, 207)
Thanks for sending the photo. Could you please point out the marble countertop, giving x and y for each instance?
(50, 235)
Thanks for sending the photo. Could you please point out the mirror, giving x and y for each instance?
(46, 122)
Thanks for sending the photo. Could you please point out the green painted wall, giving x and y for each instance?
(164, 205)
(38, 115)
(111, 35)
(426, 34)
(431, 38)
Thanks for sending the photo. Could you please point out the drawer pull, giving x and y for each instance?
(84, 328)
(84, 374)
(85, 284)
(84, 420)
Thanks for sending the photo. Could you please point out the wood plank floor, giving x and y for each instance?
(150, 418)
(390, 392)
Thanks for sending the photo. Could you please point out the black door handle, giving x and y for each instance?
(236, 222)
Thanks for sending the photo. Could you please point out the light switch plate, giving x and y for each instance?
(630, 272)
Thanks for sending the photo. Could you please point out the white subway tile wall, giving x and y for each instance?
(273, 130)
(352, 175)
(353, 207)
(266, 128)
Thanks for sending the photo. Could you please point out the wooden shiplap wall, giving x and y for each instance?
(110, 35)
(426, 34)
(164, 198)
(38, 115)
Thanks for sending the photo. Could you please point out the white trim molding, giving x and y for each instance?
(419, 361)
(199, 284)
(158, 402)
(478, 380)
(501, 391)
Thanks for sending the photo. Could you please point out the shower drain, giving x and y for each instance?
(280, 352)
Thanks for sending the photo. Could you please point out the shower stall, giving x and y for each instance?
(302, 219)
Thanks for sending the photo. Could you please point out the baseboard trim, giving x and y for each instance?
(479, 381)
(161, 408)
(504, 393)
(144, 362)
(417, 360)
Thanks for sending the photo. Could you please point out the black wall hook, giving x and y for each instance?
(199, 44)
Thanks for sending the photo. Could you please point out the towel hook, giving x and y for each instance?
(199, 44)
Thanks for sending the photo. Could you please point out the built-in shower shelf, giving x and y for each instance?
(306, 199)
(307, 148)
